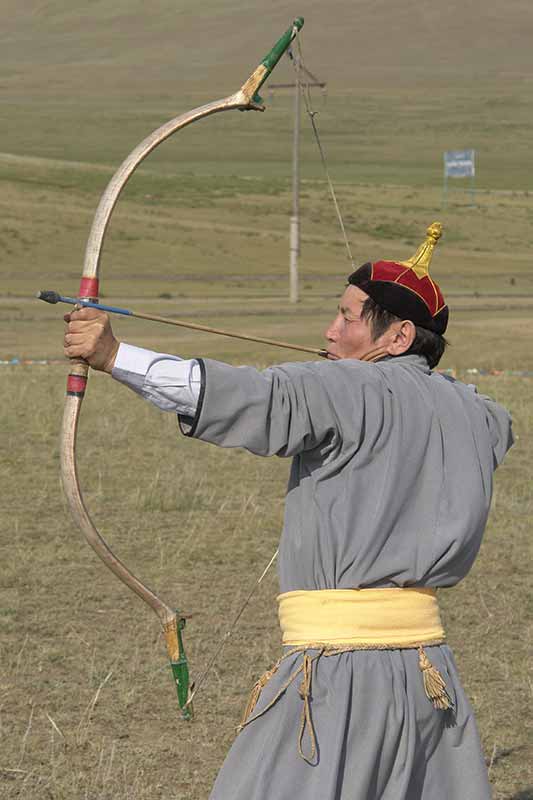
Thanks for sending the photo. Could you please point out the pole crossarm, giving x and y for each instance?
(320, 84)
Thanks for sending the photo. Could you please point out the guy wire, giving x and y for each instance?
(224, 638)
(306, 94)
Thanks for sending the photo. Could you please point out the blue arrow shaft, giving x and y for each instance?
(73, 301)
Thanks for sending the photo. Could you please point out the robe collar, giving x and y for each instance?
(407, 361)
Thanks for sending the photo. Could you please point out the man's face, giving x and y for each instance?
(349, 336)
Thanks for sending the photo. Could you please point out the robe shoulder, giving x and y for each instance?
(498, 420)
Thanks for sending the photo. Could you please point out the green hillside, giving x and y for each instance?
(353, 42)
(86, 81)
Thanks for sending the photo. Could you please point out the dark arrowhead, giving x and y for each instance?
(48, 296)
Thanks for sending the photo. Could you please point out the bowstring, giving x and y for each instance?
(312, 113)
(224, 638)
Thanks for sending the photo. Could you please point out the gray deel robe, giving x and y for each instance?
(390, 485)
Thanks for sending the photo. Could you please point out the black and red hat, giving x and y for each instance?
(405, 288)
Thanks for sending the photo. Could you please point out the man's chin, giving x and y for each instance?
(332, 356)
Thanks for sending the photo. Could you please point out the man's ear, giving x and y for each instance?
(403, 336)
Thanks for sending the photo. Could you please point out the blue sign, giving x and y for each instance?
(459, 163)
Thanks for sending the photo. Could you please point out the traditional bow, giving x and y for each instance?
(245, 99)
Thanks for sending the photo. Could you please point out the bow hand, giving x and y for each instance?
(89, 336)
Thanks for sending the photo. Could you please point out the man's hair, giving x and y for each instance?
(426, 343)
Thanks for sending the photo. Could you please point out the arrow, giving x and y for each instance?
(54, 297)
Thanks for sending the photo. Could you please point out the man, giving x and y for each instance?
(388, 499)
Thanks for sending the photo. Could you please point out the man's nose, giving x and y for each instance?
(331, 331)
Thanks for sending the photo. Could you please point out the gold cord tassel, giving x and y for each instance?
(305, 719)
(434, 684)
(255, 694)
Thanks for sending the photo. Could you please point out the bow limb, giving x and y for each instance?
(245, 99)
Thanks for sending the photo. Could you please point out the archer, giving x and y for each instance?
(387, 502)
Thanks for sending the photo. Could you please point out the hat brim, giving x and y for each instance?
(400, 300)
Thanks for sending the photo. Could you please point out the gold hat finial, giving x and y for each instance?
(420, 262)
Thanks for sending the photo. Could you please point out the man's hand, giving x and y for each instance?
(89, 336)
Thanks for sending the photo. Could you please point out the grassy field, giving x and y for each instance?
(87, 709)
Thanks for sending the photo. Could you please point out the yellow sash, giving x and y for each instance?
(365, 618)
(335, 621)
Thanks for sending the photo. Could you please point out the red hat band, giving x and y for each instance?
(406, 289)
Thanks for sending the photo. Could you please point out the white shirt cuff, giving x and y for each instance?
(171, 383)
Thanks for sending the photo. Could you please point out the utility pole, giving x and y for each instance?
(294, 225)
(294, 230)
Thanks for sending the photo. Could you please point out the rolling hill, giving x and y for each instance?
(125, 46)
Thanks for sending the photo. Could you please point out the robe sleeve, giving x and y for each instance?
(499, 424)
(283, 410)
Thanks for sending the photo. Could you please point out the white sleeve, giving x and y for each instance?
(169, 382)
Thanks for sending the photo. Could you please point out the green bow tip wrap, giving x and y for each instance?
(272, 58)
(281, 45)
(178, 663)
(180, 673)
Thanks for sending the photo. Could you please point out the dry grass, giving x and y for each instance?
(87, 706)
